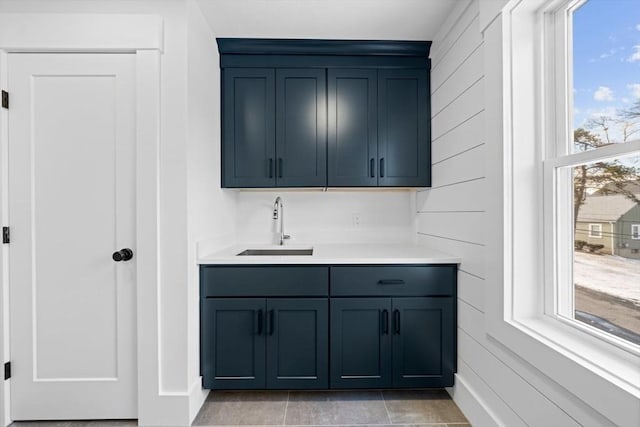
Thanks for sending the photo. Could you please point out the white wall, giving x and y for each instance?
(313, 217)
(494, 385)
(210, 209)
(327, 19)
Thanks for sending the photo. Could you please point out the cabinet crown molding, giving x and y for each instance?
(248, 46)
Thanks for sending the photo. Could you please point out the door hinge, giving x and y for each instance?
(6, 236)
(5, 99)
(7, 370)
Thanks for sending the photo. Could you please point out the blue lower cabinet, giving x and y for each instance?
(423, 342)
(233, 343)
(392, 342)
(297, 343)
(360, 342)
(319, 327)
(257, 343)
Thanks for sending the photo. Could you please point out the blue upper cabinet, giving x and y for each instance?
(301, 127)
(317, 113)
(379, 128)
(353, 131)
(248, 138)
(404, 138)
(275, 128)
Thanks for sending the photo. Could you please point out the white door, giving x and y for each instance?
(71, 206)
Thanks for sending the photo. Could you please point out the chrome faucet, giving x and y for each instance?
(278, 213)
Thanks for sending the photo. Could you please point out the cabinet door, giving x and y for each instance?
(423, 340)
(360, 343)
(297, 343)
(301, 127)
(248, 127)
(233, 343)
(352, 127)
(404, 139)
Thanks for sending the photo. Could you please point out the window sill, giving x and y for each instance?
(606, 380)
(618, 366)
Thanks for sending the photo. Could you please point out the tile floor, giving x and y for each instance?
(425, 408)
(331, 408)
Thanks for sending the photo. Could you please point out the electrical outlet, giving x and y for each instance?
(355, 219)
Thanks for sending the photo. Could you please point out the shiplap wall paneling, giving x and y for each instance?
(471, 290)
(456, 140)
(465, 166)
(481, 405)
(472, 254)
(463, 196)
(466, 105)
(506, 382)
(461, 226)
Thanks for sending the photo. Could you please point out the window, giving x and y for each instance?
(530, 290)
(595, 230)
(635, 232)
(592, 169)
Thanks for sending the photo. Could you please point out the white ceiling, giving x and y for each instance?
(327, 19)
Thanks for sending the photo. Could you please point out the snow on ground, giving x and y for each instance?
(610, 274)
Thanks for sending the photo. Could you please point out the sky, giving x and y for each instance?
(606, 61)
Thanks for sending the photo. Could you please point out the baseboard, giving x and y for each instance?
(197, 397)
(471, 404)
(164, 410)
(5, 404)
(175, 409)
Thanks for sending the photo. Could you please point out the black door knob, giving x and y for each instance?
(122, 255)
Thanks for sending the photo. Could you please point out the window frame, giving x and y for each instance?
(558, 159)
(635, 235)
(521, 113)
(599, 231)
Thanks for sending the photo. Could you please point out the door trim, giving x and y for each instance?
(106, 33)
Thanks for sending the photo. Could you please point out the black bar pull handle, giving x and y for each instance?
(385, 322)
(372, 166)
(382, 167)
(259, 318)
(270, 168)
(396, 321)
(279, 167)
(272, 322)
(391, 282)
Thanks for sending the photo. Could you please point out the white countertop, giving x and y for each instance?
(373, 253)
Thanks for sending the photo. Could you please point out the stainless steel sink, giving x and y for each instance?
(276, 252)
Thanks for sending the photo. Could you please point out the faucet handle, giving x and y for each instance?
(286, 237)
